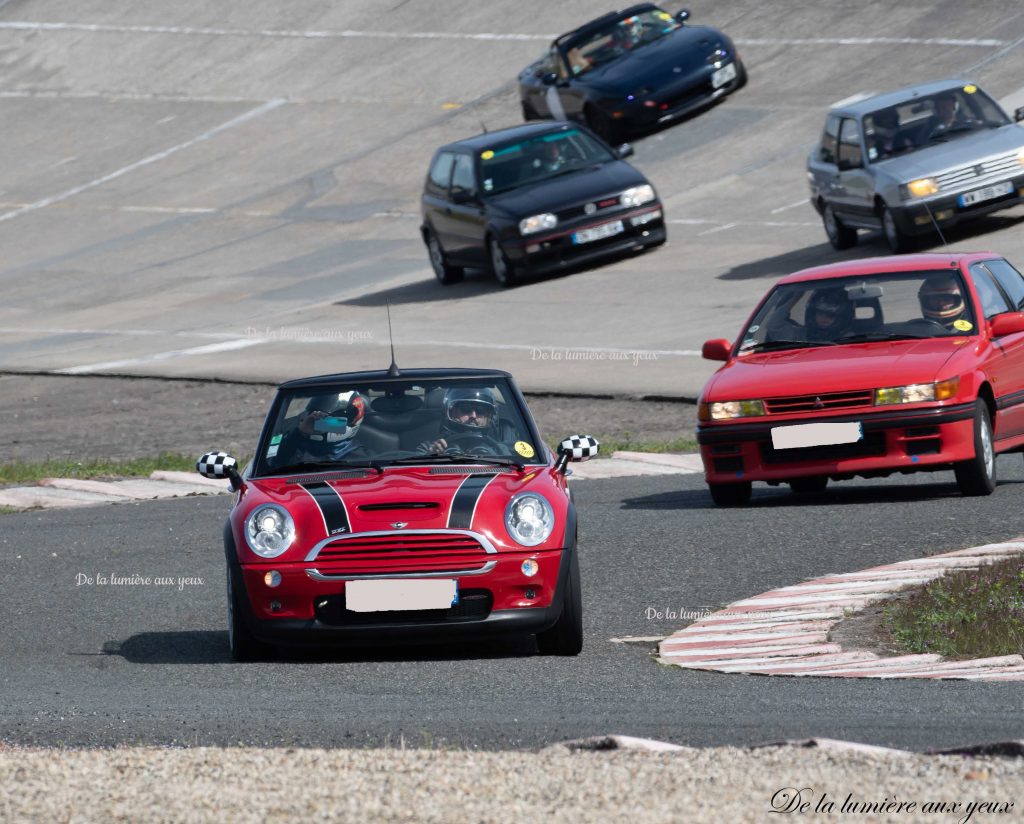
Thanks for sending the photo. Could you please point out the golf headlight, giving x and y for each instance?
(637, 196)
(917, 392)
(529, 519)
(735, 409)
(537, 223)
(269, 530)
(921, 188)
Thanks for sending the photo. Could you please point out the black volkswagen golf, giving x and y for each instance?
(533, 199)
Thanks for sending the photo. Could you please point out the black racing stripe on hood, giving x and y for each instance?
(464, 500)
(331, 507)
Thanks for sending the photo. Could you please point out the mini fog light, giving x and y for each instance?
(530, 567)
(275, 606)
(530, 594)
(272, 579)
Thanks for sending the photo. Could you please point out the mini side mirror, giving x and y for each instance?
(717, 349)
(1018, 115)
(683, 15)
(624, 151)
(576, 448)
(217, 465)
(1006, 323)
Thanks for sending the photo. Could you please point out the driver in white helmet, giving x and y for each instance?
(942, 301)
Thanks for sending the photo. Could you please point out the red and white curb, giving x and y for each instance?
(53, 493)
(785, 631)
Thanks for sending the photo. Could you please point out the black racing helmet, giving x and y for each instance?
(470, 409)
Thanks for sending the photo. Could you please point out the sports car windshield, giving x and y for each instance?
(397, 422)
(862, 309)
(538, 158)
(602, 46)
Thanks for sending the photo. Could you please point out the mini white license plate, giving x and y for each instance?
(393, 594)
(988, 193)
(598, 232)
(723, 75)
(816, 434)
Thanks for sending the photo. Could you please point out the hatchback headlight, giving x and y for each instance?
(921, 188)
(723, 410)
(917, 392)
(269, 530)
(537, 223)
(637, 196)
(529, 519)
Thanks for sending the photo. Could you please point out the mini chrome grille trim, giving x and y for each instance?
(317, 575)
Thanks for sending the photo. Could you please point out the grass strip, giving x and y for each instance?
(969, 614)
(30, 473)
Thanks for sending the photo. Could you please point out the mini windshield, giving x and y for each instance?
(395, 422)
(618, 38)
(922, 122)
(539, 158)
(843, 311)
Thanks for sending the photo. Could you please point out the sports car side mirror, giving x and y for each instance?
(576, 448)
(549, 79)
(624, 151)
(716, 349)
(1006, 323)
(1018, 115)
(683, 15)
(219, 465)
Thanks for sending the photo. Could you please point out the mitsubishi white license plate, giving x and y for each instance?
(723, 75)
(816, 434)
(598, 232)
(988, 193)
(393, 594)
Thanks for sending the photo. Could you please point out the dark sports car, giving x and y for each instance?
(630, 71)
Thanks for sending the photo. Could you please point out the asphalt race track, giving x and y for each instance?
(88, 664)
(230, 190)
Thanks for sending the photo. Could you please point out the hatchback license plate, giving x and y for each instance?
(394, 594)
(723, 75)
(988, 193)
(816, 434)
(598, 232)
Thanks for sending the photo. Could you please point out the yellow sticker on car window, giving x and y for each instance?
(970, 89)
(487, 155)
(664, 15)
(524, 449)
(962, 325)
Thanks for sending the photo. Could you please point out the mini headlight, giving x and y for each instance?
(736, 409)
(923, 187)
(537, 223)
(529, 519)
(637, 196)
(269, 530)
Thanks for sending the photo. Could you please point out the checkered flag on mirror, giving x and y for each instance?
(579, 447)
(216, 465)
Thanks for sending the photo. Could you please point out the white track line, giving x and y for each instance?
(208, 349)
(131, 167)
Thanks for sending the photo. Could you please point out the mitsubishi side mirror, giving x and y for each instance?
(1006, 323)
(717, 349)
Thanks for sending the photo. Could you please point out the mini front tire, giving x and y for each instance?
(244, 647)
(566, 636)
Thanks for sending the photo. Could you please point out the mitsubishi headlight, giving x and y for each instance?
(529, 519)
(269, 530)
(920, 188)
(537, 223)
(917, 392)
(723, 410)
(637, 196)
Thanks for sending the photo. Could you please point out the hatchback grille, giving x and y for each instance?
(819, 403)
(993, 168)
(601, 205)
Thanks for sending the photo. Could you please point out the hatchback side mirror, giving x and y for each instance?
(624, 151)
(1018, 115)
(683, 15)
(576, 448)
(1006, 323)
(717, 349)
(217, 465)
(463, 196)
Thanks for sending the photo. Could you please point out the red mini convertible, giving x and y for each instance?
(870, 367)
(387, 506)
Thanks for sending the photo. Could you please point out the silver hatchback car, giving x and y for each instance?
(915, 161)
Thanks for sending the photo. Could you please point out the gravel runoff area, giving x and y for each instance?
(54, 416)
(557, 785)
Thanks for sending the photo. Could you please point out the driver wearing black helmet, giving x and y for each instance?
(469, 421)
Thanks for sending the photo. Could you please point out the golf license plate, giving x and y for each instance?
(988, 193)
(598, 232)
(816, 434)
(723, 75)
(394, 594)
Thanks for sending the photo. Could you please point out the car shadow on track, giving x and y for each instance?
(211, 647)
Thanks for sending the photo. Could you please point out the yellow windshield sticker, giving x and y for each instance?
(487, 155)
(962, 325)
(970, 88)
(664, 15)
(524, 449)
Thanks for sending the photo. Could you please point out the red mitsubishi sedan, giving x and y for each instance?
(869, 367)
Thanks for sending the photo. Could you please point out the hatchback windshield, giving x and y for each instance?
(619, 38)
(897, 306)
(438, 421)
(539, 158)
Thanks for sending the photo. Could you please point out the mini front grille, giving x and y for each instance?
(819, 403)
(392, 544)
(985, 171)
(473, 605)
(872, 445)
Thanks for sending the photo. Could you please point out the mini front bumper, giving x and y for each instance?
(289, 614)
(916, 218)
(906, 440)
